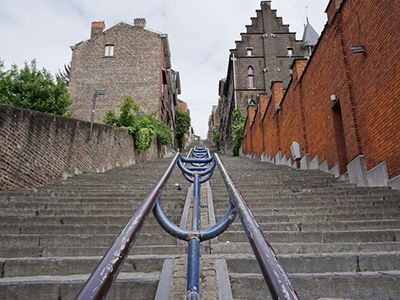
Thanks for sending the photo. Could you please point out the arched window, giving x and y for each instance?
(250, 77)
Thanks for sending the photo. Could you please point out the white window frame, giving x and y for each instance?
(290, 52)
(249, 51)
(250, 77)
(109, 50)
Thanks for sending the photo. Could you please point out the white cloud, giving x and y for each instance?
(200, 32)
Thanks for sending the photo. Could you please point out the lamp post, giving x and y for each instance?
(96, 93)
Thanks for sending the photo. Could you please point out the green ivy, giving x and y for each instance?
(238, 122)
(163, 132)
(143, 138)
(110, 118)
(216, 139)
(182, 126)
(143, 127)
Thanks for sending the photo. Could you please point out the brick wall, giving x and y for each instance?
(364, 118)
(37, 148)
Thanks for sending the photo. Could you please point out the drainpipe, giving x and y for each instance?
(234, 79)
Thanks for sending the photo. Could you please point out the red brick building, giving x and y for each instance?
(342, 106)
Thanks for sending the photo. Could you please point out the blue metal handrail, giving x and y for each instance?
(197, 168)
(200, 171)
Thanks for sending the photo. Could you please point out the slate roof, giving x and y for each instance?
(310, 36)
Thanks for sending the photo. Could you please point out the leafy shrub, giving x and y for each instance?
(143, 127)
(238, 123)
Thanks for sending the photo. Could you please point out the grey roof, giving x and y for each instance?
(310, 36)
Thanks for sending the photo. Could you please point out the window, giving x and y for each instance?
(290, 51)
(250, 77)
(249, 51)
(109, 51)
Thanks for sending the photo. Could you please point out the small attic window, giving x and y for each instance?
(290, 51)
(109, 51)
(249, 51)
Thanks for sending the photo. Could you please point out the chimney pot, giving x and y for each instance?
(97, 28)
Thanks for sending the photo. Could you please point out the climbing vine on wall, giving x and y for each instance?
(182, 126)
(217, 139)
(238, 122)
(143, 127)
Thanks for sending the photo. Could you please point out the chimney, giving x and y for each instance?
(298, 67)
(332, 9)
(266, 3)
(251, 113)
(139, 22)
(97, 28)
(262, 103)
(277, 92)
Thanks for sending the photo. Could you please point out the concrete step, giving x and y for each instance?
(52, 251)
(73, 229)
(30, 266)
(319, 236)
(321, 263)
(142, 285)
(81, 240)
(324, 226)
(228, 247)
(314, 203)
(300, 211)
(344, 285)
(78, 212)
(71, 220)
(326, 218)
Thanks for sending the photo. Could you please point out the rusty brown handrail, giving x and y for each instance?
(278, 282)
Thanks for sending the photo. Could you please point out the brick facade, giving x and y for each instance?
(259, 58)
(140, 66)
(342, 105)
(38, 148)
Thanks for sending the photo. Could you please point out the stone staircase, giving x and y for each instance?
(52, 238)
(335, 240)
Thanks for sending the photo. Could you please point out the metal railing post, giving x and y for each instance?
(194, 245)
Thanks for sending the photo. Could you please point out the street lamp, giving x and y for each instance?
(96, 93)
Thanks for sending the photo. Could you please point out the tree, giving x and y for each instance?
(33, 89)
(182, 126)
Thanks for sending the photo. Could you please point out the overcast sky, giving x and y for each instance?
(200, 34)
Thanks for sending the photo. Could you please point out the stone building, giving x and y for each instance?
(213, 125)
(124, 60)
(340, 112)
(263, 55)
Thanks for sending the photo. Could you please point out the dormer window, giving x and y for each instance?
(290, 51)
(109, 51)
(249, 51)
